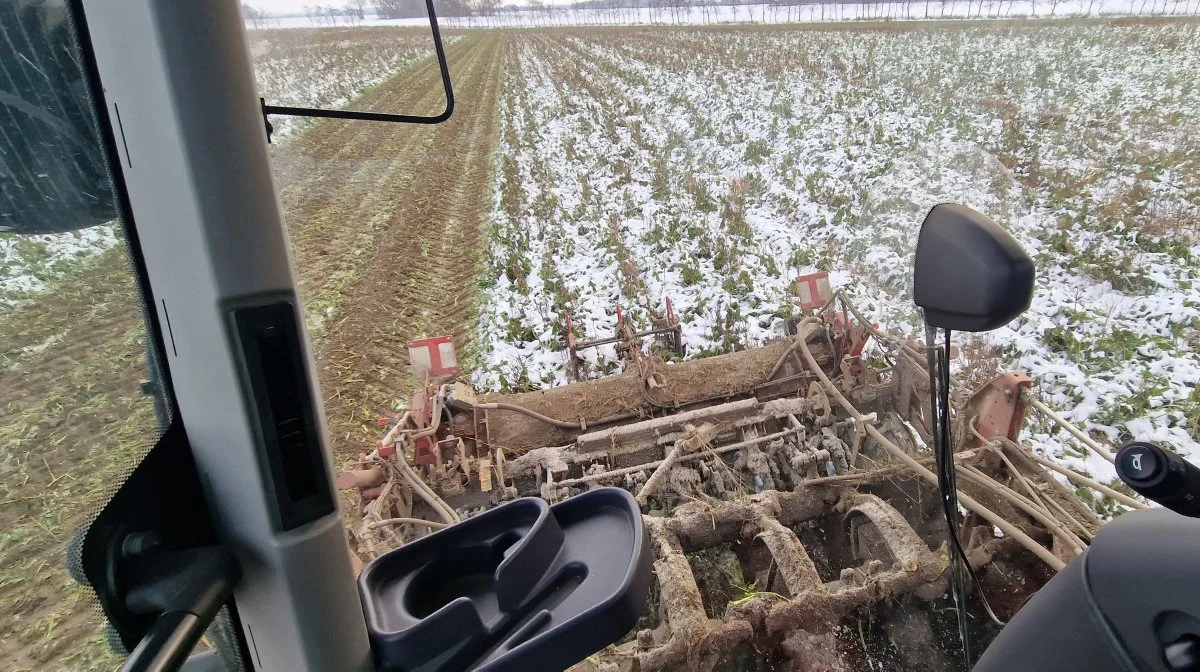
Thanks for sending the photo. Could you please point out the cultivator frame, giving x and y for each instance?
(746, 447)
(798, 608)
(627, 339)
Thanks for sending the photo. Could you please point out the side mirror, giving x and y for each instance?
(969, 273)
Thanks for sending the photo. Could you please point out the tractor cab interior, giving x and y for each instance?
(500, 421)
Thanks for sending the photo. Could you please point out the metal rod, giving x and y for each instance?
(905, 348)
(660, 330)
(800, 336)
(561, 424)
(167, 644)
(616, 339)
(660, 472)
(591, 478)
(410, 521)
(599, 341)
(1034, 495)
(1042, 515)
(1008, 528)
(785, 379)
(1085, 481)
(1075, 431)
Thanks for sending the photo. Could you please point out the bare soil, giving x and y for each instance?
(416, 276)
(74, 421)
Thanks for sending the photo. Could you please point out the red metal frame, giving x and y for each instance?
(998, 407)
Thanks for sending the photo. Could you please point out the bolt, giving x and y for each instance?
(139, 543)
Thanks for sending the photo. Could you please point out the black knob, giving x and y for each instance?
(1141, 463)
(1161, 475)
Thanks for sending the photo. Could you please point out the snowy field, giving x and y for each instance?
(686, 13)
(328, 67)
(713, 167)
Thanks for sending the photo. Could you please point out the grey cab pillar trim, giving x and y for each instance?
(181, 98)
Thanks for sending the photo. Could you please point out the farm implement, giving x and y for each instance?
(666, 332)
(786, 489)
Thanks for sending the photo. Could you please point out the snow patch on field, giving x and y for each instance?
(28, 263)
(712, 168)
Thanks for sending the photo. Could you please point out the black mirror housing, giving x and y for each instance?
(969, 274)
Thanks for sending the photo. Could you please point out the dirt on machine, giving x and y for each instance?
(788, 492)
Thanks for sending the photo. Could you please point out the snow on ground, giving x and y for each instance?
(798, 12)
(329, 67)
(713, 167)
(28, 263)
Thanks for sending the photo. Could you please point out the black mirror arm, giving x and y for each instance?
(188, 588)
(379, 116)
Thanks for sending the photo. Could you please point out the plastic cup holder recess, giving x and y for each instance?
(471, 574)
(525, 586)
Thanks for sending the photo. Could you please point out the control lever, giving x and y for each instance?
(1161, 475)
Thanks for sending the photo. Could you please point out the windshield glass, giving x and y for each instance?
(80, 399)
(623, 228)
(666, 247)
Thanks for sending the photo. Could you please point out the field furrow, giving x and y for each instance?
(418, 278)
(343, 182)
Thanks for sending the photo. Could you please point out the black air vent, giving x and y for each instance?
(277, 379)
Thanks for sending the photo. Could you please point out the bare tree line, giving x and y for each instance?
(323, 15)
(354, 11)
(538, 13)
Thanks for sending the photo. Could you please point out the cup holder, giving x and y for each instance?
(523, 586)
(471, 574)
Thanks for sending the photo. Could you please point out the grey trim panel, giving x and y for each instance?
(201, 191)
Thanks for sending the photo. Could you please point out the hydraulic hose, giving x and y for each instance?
(987, 514)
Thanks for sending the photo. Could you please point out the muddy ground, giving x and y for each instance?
(384, 221)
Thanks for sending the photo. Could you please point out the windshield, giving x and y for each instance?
(669, 247)
(611, 210)
(81, 396)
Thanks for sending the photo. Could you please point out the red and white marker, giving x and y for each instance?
(432, 357)
(814, 290)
